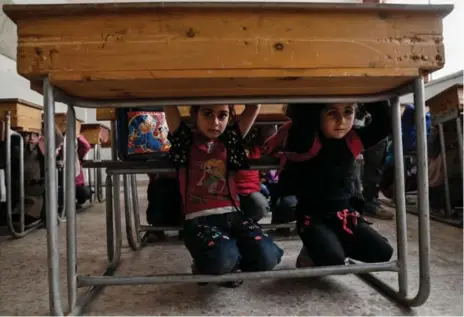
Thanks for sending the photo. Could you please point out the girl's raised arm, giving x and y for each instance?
(172, 118)
(247, 118)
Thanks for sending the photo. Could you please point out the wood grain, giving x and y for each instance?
(157, 51)
(446, 101)
(25, 116)
(95, 133)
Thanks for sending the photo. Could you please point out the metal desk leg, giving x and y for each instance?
(70, 199)
(459, 132)
(135, 203)
(51, 200)
(116, 203)
(131, 209)
(401, 223)
(445, 171)
(423, 208)
(98, 176)
(90, 183)
(422, 195)
(23, 231)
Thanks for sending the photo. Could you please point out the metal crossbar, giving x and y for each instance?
(113, 210)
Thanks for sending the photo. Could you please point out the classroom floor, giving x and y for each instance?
(24, 288)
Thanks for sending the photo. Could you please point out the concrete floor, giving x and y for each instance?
(24, 290)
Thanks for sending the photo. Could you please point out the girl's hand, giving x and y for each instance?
(247, 118)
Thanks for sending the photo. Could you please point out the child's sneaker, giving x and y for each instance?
(303, 259)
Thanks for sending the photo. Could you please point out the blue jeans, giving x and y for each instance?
(220, 244)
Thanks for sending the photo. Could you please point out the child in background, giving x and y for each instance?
(252, 202)
(164, 202)
(321, 147)
(83, 192)
(219, 237)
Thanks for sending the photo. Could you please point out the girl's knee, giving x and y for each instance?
(328, 257)
(271, 255)
(375, 247)
(385, 251)
(258, 206)
(218, 261)
(263, 256)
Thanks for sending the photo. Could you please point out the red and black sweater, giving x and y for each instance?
(322, 170)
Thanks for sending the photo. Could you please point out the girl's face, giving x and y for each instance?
(31, 138)
(337, 120)
(212, 120)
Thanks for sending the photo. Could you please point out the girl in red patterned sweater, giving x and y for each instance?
(219, 237)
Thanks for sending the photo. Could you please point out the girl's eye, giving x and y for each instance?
(349, 112)
(222, 117)
(331, 113)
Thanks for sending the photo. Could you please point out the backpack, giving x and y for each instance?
(276, 146)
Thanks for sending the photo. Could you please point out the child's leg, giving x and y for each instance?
(360, 241)
(258, 251)
(83, 193)
(254, 206)
(213, 251)
(369, 246)
(264, 190)
(321, 242)
(285, 209)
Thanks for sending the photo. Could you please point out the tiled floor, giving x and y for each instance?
(23, 279)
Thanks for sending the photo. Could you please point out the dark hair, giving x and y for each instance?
(304, 112)
(232, 115)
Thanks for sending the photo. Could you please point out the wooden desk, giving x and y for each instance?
(106, 114)
(447, 103)
(95, 133)
(270, 112)
(61, 120)
(25, 116)
(163, 49)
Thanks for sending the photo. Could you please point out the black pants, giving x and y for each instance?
(220, 244)
(374, 158)
(331, 238)
(164, 202)
(83, 193)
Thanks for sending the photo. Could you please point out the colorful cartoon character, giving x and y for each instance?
(147, 132)
(214, 173)
(162, 134)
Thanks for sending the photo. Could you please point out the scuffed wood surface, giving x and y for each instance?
(25, 116)
(95, 133)
(143, 50)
